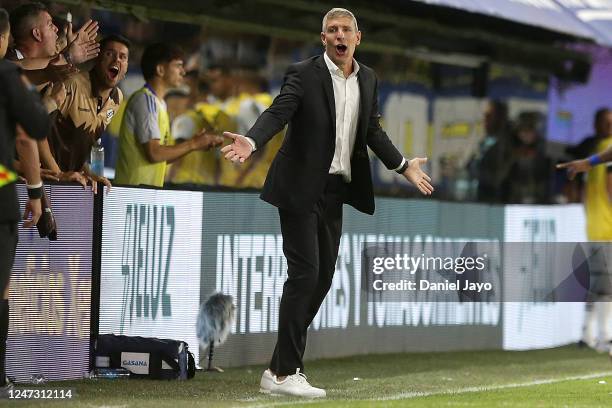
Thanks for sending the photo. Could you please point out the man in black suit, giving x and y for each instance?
(331, 105)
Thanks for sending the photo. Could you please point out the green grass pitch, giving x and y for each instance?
(562, 377)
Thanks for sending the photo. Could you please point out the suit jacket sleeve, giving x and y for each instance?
(378, 140)
(274, 119)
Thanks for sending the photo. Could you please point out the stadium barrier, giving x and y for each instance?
(138, 261)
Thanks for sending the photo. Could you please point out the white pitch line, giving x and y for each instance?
(409, 395)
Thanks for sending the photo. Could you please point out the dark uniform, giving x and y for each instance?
(18, 106)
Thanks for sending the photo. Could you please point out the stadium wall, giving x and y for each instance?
(165, 251)
(50, 292)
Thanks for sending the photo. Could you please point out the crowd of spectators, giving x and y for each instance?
(60, 94)
(511, 164)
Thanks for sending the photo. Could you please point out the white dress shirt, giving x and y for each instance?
(347, 101)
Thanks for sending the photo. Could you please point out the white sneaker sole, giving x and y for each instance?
(281, 394)
(275, 394)
(270, 393)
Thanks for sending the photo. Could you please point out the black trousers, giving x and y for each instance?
(8, 246)
(310, 244)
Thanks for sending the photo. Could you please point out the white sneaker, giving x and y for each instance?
(267, 382)
(296, 385)
(602, 347)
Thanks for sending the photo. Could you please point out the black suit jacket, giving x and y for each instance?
(297, 176)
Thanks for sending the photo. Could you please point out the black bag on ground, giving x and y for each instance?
(146, 357)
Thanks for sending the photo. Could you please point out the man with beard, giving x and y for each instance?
(92, 99)
(35, 50)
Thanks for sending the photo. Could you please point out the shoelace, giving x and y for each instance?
(299, 377)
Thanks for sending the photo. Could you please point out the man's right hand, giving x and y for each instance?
(239, 150)
(575, 167)
(94, 179)
(206, 141)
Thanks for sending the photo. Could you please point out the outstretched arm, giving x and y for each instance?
(156, 152)
(583, 165)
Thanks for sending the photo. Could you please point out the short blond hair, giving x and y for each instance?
(339, 12)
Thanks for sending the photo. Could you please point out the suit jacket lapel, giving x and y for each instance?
(326, 79)
(365, 102)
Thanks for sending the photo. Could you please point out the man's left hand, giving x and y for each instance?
(416, 176)
(87, 32)
(83, 46)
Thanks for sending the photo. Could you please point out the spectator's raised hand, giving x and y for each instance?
(87, 32)
(239, 150)
(81, 52)
(83, 46)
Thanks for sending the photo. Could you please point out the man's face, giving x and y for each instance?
(112, 63)
(220, 83)
(340, 40)
(491, 119)
(174, 73)
(603, 127)
(4, 40)
(45, 33)
(61, 43)
(528, 136)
